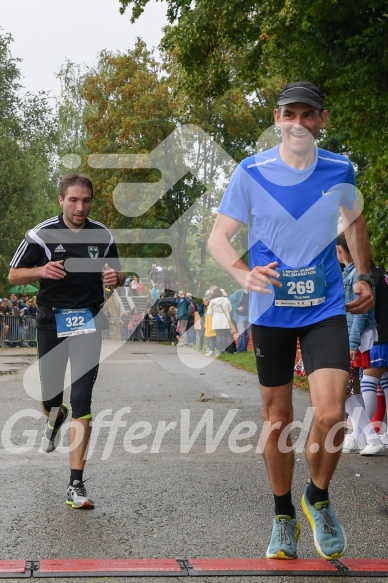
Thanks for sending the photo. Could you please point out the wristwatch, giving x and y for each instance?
(368, 277)
(118, 277)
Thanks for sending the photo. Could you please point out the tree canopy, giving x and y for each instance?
(220, 68)
(340, 46)
(134, 105)
(27, 134)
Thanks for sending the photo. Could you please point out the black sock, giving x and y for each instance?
(315, 494)
(283, 505)
(76, 475)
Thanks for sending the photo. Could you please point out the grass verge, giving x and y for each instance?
(246, 361)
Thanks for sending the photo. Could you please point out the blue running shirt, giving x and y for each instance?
(292, 217)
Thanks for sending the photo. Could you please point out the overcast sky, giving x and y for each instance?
(46, 32)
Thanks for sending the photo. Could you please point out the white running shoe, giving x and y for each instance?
(374, 446)
(350, 444)
(77, 497)
(384, 438)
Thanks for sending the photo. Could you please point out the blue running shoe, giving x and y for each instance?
(329, 536)
(285, 534)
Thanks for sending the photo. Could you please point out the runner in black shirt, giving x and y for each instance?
(74, 257)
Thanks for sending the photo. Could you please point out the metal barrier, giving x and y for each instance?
(112, 330)
(117, 329)
(17, 331)
(21, 331)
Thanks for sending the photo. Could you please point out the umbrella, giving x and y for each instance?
(27, 288)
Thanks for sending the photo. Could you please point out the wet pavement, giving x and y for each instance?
(173, 476)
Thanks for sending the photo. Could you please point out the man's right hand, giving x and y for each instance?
(259, 277)
(53, 270)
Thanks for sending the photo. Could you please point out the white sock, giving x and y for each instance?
(362, 426)
(384, 386)
(369, 394)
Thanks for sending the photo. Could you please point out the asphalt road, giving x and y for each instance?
(164, 487)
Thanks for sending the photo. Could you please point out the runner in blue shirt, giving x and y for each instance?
(290, 198)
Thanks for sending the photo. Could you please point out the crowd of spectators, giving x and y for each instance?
(214, 323)
(211, 322)
(158, 317)
(17, 321)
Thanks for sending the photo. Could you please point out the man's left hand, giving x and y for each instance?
(365, 299)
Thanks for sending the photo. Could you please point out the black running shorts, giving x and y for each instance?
(323, 345)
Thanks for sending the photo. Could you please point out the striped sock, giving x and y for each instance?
(369, 386)
(362, 426)
(384, 386)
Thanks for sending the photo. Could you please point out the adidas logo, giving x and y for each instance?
(60, 249)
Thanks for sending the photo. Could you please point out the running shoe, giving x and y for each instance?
(77, 497)
(350, 444)
(329, 537)
(51, 434)
(285, 534)
(384, 438)
(374, 446)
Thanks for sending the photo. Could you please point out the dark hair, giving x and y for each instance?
(217, 293)
(74, 180)
(341, 241)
